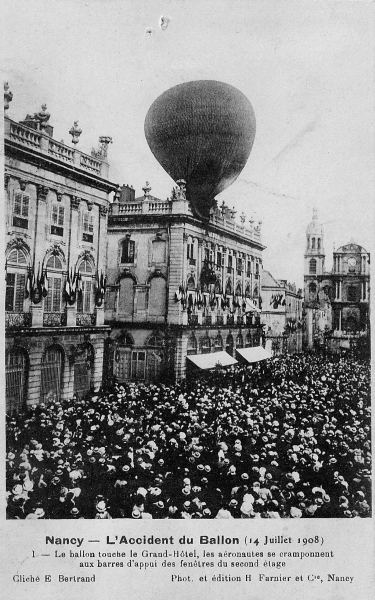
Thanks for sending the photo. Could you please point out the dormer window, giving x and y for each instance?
(21, 205)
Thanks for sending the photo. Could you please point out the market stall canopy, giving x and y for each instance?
(212, 360)
(254, 354)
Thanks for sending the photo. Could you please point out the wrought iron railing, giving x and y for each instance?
(54, 319)
(16, 320)
(85, 319)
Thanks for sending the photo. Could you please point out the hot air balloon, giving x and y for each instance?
(202, 132)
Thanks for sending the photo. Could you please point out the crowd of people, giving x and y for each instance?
(284, 438)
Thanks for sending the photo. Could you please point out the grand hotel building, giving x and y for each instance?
(176, 287)
(56, 200)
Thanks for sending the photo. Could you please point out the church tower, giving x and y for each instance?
(314, 259)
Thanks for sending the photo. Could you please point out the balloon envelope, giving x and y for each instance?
(203, 132)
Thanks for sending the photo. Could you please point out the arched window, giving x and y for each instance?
(248, 340)
(319, 243)
(157, 297)
(85, 299)
(15, 280)
(256, 291)
(192, 345)
(155, 356)
(312, 288)
(126, 297)
(53, 300)
(238, 289)
(248, 291)
(218, 286)
(312, 266)
(218, 343)
(313, 244)
(16, 369)
(127, 251)
(206, 345)
(51, 374)
(229, 344)
(239, 341)
(228, 288)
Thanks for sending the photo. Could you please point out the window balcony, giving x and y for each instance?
(85, 319)
(54, 319)
(17, 320)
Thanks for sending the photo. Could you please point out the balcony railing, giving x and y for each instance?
(54, 319)
(16, 320)
(43, 143)
(85, 319)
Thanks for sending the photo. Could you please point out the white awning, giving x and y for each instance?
(212, 360)
(254, 354)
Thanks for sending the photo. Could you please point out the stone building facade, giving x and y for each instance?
(177, 286)
(336, 301)
(282, 315)
(57, 200)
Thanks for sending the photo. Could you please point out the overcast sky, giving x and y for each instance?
(306, 67)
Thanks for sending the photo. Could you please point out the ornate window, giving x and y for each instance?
(51, 374)
(192, 345)
(85, 299)
(352, 294)
(138, 365)
(15, 280)
(312, 266)
(229, 344)
(21, 206)
(239, 341)
(218, 343)
(52, 302)
(16, 368)
(128, 251)
(57, 219)
(87, 227)
(313, 243)
(205, 345)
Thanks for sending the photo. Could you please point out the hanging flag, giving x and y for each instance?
(28, 285)
(44, 284)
